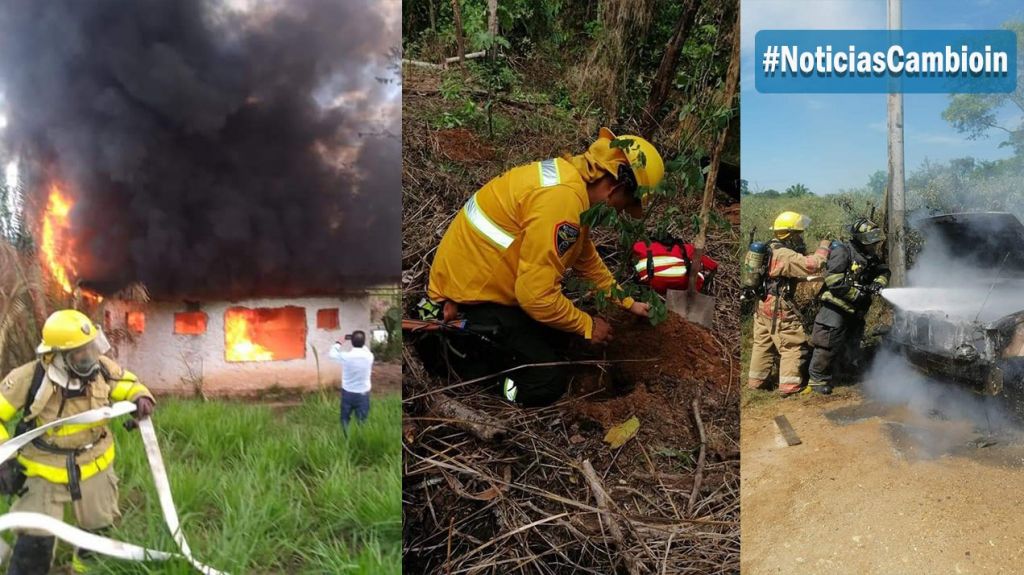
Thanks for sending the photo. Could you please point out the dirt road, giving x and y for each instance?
(878, 489)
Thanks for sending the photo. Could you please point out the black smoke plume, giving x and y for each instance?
(212, 147)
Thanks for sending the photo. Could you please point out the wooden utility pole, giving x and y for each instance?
(896, 208)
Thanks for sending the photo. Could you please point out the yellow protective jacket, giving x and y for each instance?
(513, 241)
(785, 269)
(51, 404)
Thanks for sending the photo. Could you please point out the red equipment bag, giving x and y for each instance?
(670, 264)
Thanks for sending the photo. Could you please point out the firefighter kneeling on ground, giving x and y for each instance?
(72, 463)
(855, 271)
(778, 329)
(501, 262)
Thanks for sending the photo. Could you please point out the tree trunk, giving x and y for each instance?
(667, 69)
(732, 78)
(433, 17)
(458, 30)
(492, 17)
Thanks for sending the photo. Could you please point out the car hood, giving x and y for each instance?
(979, 239)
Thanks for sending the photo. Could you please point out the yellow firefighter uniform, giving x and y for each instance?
(513, 241)
(778, 330)
(89, 446)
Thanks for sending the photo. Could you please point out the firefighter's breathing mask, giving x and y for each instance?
(84, 361)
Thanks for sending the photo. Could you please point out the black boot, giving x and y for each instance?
(821, 387)
(32, 555)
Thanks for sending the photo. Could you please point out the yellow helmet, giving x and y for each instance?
(67, 329)
(642, 157)
(648, 167)
(790, 222)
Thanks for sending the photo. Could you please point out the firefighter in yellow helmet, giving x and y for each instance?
(501, 261)
(778, 329)
(70, 464)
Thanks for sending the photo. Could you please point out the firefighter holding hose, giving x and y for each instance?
(72, 464)
(855, 271)
(501, 261)
(778, 329)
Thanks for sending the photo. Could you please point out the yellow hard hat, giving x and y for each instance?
(67, 329)
(791, 222)
(643, 157)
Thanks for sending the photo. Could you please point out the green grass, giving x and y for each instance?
(260, 491)
(830, 215)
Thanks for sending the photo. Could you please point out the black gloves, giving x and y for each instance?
(144, 408)
(12, 477)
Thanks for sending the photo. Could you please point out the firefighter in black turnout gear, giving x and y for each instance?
(855, 271)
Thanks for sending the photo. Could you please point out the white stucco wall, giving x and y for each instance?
(167, 362)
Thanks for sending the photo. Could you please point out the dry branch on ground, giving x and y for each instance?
(524, 504)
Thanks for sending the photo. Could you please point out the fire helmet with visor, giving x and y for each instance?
(866, 232)
(76, 338)
(789, 222)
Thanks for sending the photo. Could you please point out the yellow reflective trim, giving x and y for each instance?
(123, 390)
(4, 435)
(7, 410)
(833, 279)
(74, 428)
(55, 474)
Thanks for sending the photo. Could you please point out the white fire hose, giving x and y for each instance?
(91, 541)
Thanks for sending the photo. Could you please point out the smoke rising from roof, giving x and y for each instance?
(212, 149)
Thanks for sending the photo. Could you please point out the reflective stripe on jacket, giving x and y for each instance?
(513, 241)
(96, 438)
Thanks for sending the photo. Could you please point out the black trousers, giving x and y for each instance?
(497, 338)
(835, 341)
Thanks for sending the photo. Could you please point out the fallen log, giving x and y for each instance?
(460, 415)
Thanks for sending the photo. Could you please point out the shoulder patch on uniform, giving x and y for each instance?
(566, 234)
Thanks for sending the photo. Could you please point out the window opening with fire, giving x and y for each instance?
(264, 334)
(327, 319)
(136, 321)
(190, 323)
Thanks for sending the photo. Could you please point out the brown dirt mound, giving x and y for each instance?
(461, 145)
(682, 350)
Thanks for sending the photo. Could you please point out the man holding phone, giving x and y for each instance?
(356, 367)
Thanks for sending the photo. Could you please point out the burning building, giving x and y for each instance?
(240, 347)
(237, 159)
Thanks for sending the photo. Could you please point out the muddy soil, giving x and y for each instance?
(878, 489)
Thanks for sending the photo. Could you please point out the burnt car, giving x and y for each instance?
(962, 317)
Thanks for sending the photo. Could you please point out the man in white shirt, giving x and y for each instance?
(356, 367)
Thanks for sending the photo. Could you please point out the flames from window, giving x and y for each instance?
(56, 244)
(190, 323)
(136, 321)
(264, 334)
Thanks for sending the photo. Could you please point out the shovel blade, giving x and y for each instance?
(694, 307)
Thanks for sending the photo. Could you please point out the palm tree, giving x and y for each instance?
(20, 290)
(797, 190)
